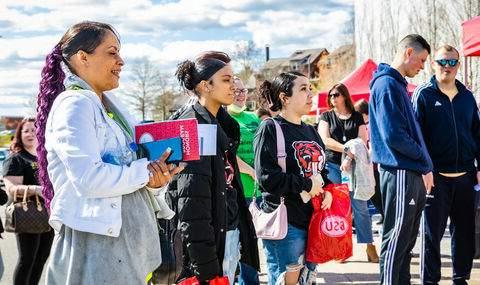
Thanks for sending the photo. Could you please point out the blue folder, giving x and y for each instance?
(155, 149)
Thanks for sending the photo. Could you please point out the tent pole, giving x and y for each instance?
(465, 72)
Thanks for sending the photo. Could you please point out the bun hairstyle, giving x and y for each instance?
(282, 83)
(85, 36)
(191, 73)
(220, 55)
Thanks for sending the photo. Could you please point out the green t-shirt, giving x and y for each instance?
(249, 123)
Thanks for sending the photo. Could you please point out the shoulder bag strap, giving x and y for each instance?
(281, 154)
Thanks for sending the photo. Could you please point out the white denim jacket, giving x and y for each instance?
(88, 191)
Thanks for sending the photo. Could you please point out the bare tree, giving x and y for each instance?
(148, 84)
(31, 105)
(366, 25)
(249, 57)
(164, 104)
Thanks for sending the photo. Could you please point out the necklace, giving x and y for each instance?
(344, 138)
(343, 123)
(342, 126)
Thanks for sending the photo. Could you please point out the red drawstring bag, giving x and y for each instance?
(219, 280)
(189, 281)
(223, 280)
(330, 231)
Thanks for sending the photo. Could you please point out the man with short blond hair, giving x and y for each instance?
(448, 116)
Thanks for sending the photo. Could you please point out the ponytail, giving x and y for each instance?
(282, 83)
(266, 95)
(51, 85)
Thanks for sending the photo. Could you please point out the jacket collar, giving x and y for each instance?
(228, 130)
(203, 112)
(74, 82)
(461, 88)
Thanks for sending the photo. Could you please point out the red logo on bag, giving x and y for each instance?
(334, 226)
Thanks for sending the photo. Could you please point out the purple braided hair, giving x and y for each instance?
(50, 86)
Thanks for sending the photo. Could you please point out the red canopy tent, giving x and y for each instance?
(471, 37)
(470, 42)
(357, 83)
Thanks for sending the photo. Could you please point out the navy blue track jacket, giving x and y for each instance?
(396, 138)
(451, 129)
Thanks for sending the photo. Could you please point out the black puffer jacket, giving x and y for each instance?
(202, 204)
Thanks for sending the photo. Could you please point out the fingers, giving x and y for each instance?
(153, 179)
(314, 191)
(428, 182)
(162, 172)
(429, 187)
(326, 205)
(165, 155)
(176, 170)
(327, 201)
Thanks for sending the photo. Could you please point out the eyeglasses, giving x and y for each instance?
(335, 95)
(444, 62)
(240, 91)
(25, 131)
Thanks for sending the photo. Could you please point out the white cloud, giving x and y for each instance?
(167, 32)
(285, 29)
(27, 47)
(170, 54)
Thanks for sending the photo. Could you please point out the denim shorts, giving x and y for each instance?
(287, 251)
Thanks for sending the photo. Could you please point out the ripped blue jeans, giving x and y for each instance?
(280, 253)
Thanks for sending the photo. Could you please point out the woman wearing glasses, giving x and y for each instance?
(338, 125)
(20, 175)
(248, 122)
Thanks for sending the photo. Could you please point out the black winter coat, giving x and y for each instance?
(202, 204)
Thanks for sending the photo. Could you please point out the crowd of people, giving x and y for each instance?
(101, 191)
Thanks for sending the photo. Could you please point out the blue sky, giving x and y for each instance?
(165, 31)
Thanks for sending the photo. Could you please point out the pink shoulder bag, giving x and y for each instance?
(274, 225)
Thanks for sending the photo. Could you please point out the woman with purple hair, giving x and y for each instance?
(102, 210)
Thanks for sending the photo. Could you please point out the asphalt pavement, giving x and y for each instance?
(355, 271)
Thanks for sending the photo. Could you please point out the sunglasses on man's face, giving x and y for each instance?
(444, 62)
(335, 95)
